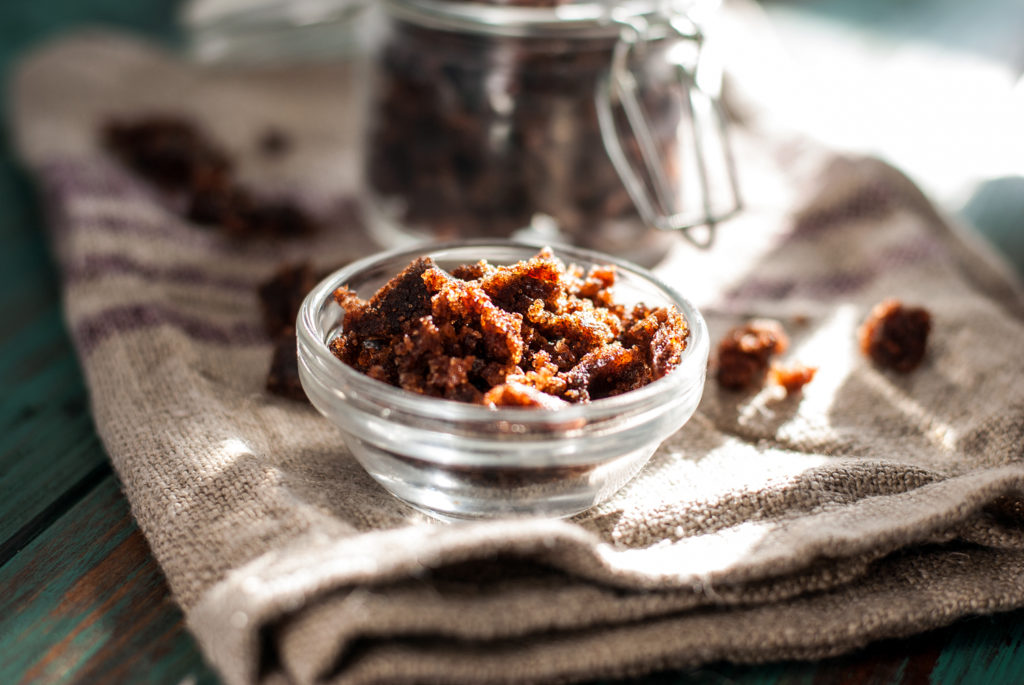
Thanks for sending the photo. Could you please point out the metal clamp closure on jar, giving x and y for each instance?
(659, 203)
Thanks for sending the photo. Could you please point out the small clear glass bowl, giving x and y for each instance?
(455, 460)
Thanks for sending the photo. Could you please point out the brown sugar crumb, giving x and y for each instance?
(280, 299)
(745, 352)
(279, 218)
(532, 334)
(519, 395)
(281, 296)
(895, 336)
(792, 378)
(172, 153)
(274, 142)
(283, 377)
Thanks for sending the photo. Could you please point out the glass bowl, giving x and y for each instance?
(455, 460)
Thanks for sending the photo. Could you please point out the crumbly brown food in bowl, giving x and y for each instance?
(531, 334)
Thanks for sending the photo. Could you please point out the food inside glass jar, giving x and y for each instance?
(473, 134)
(532, 334)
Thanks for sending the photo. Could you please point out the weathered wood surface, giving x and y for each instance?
(86, 603)
(81, 598)
(49, 454)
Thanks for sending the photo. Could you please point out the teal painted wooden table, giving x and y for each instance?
(81, 598)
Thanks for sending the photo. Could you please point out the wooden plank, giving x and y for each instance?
(985, 650)
(48, 446)
(49, 453)
(85, 602)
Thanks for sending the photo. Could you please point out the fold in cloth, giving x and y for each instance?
(873, 505)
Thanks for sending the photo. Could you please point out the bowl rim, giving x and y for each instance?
(690, 370)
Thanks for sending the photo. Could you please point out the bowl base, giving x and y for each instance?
(448, 517)
(459, 493)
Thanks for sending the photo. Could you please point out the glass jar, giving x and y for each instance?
(259, 33)
(580, 122)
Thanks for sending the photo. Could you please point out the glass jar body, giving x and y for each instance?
(483, 135)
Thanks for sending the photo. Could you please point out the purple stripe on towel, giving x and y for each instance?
(156, 228)
(870, 201)
(94, 267)
(91, 331)
(96, 176)
(65, 181)
(837, 283)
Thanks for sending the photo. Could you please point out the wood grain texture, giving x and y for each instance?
(49, 453)
(985, 650)
(85, 602)
(47, 442)
(48, 446)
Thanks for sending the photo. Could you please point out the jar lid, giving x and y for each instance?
(575, 18)
(261, 32)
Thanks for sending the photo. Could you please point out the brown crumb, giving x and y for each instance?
(280, 299)
(274, 142)
(792, 377)
(283, 378)
(895, 336)
(529, 334)
(745, 352)
(281, 296)
(519, 395)
(175, 155)
(279, 218)
(169, 151)
(224, 205)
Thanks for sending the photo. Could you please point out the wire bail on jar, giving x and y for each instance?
(664, 202)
